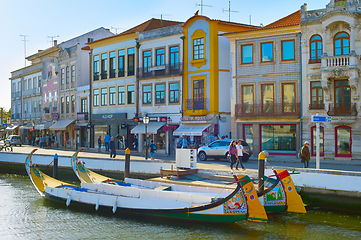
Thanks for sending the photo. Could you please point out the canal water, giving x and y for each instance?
(25, 215)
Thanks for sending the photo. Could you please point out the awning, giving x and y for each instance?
(12, 127)
(26, 127)
(61, 125)
(152, 128)
(191, 129)
(43, 126)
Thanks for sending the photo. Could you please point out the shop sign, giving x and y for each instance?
(82, 116)
(109, 116)
(194, 118)
(151, 119)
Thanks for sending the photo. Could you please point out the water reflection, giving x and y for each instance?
(25, 215)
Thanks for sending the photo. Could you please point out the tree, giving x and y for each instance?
(5, 114)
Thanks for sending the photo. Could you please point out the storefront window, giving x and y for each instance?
(99, 130)
(279, 138)
(343, 141)
(248, 135)
(159, 139)
(314, 141)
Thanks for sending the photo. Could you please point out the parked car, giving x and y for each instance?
(219, 150)
(13, 140)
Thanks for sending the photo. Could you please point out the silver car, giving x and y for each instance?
(219, 150)
(13, 140)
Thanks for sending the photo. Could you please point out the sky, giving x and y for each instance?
(39, 19)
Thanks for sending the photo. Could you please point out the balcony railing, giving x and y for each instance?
(316, 106)
(196, 104)
(159, 71)
(15, 116)
(82, 116)
(96, 76)
(104, 75)
(268, 110)
(342, 109)
(337, 61)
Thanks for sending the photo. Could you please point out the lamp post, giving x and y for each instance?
(146, 121)
(169, 122)
(76, 128)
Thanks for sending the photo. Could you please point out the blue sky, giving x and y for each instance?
(69, 18)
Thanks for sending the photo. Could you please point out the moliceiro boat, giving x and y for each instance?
(137, 197)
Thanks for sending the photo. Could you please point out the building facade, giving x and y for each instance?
(331, 51)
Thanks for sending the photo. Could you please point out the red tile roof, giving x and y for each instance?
(290, 20)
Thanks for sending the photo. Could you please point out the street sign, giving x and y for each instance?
(5, 125)
(8, 120)
(321, 119)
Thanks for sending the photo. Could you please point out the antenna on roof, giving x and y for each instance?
(250, 19)
(202, 5)
(161, 17)
(24, 36)
(229, 11)
(52, 39)
(116, 29)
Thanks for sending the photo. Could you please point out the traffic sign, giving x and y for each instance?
(8, 120)
(321, 119)
(5, 125)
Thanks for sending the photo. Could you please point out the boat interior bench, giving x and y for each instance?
(177, 172)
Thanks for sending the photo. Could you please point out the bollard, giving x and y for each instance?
(55, 166)
(262, 156)
(127, 163)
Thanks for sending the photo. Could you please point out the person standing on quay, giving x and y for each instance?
(232, 151)
(240, 151)
(305, 152)
(112, 148)
(152, 149)
(106, 142)
(99, 143)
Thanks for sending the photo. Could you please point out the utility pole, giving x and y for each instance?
(202, 5)
(229, 11)
(52, 39)
(24, 40)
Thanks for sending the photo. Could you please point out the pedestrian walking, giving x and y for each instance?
(184, 142)
(152, 149)
(112, 148)
(135, 143)
(48, 141)
(305, 152)
(37, 140)
(42, 141)
(232, 151)
(106, 142)
(240, 151)
(99, 143)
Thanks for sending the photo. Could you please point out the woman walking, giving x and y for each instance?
(233, 153)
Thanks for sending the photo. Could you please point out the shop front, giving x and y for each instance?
(65, 135)
(155, 132)
(12, 129)
(198, 133)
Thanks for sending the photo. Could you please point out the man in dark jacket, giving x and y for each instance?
(112, 148)
(305, 152)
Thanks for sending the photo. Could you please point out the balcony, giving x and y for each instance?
(160, 71)
(342, 109)
(96, 76)
(342, 61)
(313, 106)
(268, 110)
(104, 75)
(15, 116)
(311, 61)
(82, 116)
(196, 104)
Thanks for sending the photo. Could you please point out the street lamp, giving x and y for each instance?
(146, 121)
(169, 122)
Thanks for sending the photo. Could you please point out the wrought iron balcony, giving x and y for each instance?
(160, 71)
(196, 104)
(316, 106)
(268, 110)
(342, 109)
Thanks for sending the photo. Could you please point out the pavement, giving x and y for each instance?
(215, 165)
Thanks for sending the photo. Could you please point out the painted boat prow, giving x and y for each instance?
(293, 199)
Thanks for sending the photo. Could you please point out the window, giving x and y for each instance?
(104, 92)
(267, 98)
(62, 105)
(104, 66)
(248, 135)
(67, 103)
(55, 101)
(314, 141)
(35, 103)
(67, 75)
(174, 58)
(50, 100)
(147, 94)
(342, 96)
(288, 50)
(147, 61)
(315, 49)
(267, 52)
(342, 44)
(90, 39)
(288, 98)
(39, 81)
(279, 138)
(198, 95)
(316, 96)
(173, 92)
(34, 82)
(343, 141)
(198, 48)
(72, 103)
(160, 57)
(160, 93)
(247, 54)
(25, 85)
(130, 94)
(39, 106)
(29, 105)
(121, 95)
(131, 62)
(73, 73)
(96, 68)
(83, 105)
(247, 99)
(29, 84)
(25, 108)
(96, 98)
(112, 96)
(121, 54)
(14, 88)
(45, 100)
(112, 65)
